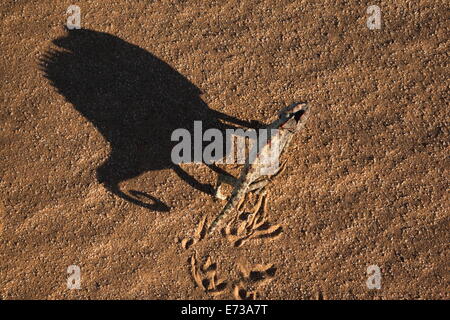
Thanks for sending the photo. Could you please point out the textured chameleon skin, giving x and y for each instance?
(291, 119)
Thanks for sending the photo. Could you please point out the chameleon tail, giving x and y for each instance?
(218, 220)
(214, 224)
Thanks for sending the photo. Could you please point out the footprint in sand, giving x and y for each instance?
(205, 276)
(199, 234)
(252, 280)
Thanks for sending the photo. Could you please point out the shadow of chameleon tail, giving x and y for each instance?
(136, 196)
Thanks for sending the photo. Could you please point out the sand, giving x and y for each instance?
(86, 177)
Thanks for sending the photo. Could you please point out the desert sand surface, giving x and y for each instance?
(86, 177)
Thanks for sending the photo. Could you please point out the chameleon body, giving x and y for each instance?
(290, 120)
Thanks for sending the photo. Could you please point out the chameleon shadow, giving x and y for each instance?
(135, 100)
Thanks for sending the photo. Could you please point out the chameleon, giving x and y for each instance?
(252, 177)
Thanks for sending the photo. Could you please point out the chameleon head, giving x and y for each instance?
(294, 115)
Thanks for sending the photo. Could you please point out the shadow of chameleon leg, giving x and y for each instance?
(203, 187)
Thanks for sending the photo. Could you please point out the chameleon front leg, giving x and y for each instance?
(257, 186)
(280, 169)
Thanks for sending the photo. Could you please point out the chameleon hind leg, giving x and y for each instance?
(222, 178)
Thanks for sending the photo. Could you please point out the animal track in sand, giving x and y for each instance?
(252, 279)
(199, 234)
(252, 225)
(239, 293)
(205, 276)
(245, 226)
